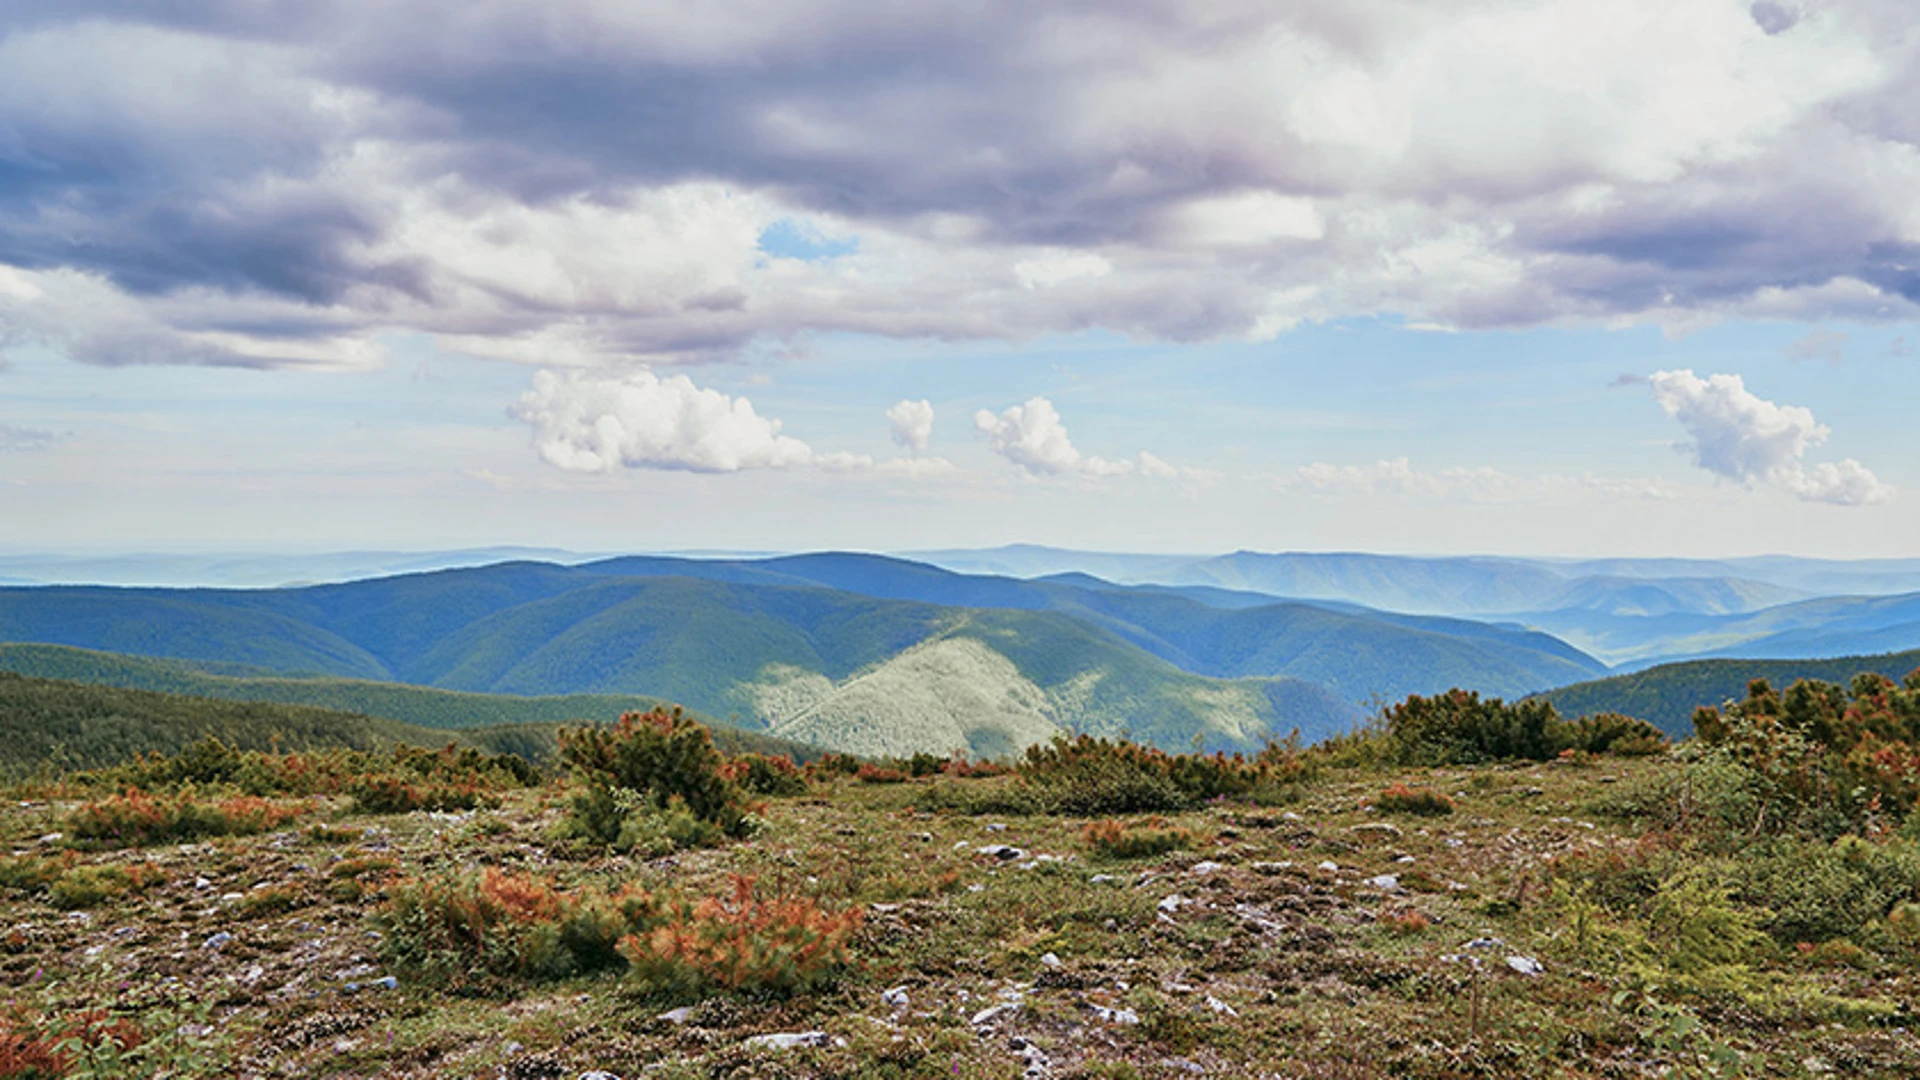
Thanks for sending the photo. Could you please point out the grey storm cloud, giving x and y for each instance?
(586, 181)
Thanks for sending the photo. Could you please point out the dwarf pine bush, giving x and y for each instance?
(779, 944)
(661, 756)
(1135, 839)
(471, 931)
(1420, 802)
(138, 819)
(1088, 776)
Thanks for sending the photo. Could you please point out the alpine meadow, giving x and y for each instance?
(819, 539)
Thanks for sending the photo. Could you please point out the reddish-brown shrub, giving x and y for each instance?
(781, 944)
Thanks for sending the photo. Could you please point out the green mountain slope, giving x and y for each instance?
(1667, 695)
(427, 716)
(46, 723)
(808, 640)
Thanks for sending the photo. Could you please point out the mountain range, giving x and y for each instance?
(856, 652)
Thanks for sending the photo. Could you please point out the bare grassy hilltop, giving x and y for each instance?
(1467, 888)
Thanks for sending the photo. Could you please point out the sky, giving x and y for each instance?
(1492, 276)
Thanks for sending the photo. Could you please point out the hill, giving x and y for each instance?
(423, 715)
(52, 724)
(1667, 695)
(805, 641)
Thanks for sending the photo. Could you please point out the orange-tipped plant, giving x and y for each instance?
(781, 944)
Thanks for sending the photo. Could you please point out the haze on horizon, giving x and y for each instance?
(1525, 277)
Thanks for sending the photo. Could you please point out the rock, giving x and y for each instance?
(676, 1016)
(1048, 960)
(53, 838)
(1220, 1007)
(1385, 881)
(1454, 841)
(1525, 965)
(1485, 943)
(895, 997)
(1404, 859)
(202, 884)
(1102, 879)
(1114, 1016)
(1291, 816)
(1330, 867)
(217, 941)
(1378, 830)
(1170, 903)
(598, 1075)
(994, 1012)
(787, 1040)
(1003, 852)
(1201, 869)
(996, 826)
(385, 982)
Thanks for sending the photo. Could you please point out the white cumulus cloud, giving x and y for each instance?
(597, 423)
(1740, 436)
(912, 423)
(1033, 437)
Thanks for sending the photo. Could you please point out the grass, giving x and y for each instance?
(1234, 949)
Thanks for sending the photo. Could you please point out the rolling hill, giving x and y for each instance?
(1667, 695)
(855, 652)
(52, 724)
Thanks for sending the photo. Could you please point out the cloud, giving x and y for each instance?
(1482, 484)
(1033, 437)
(1828, 345)
(1742, 437)
(595, 423)
(277, 184)
(20, 440)
(912, 424)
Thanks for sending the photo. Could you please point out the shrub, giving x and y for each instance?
(137, 819)
(1420, 802)
(660, 755)
(1817, 892)
(762, 774)
(91, 886)
(1609, 733)
(1406, 923)
(395, 795)
(627, 821)
(780, 945)
(26, 1055)
(1135, 839)
(1826, 760)
(261, 903)
(830, 766)
(471, 931)
(879, 774)
(1460, 727)
(29, 873)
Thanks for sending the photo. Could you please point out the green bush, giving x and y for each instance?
(661, 756)
(28, 873)
(1825, 760)
(1460, 727)
(91, 886)
(1088, 777)
(762, 774)
(470, 932)
(1816, 892)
